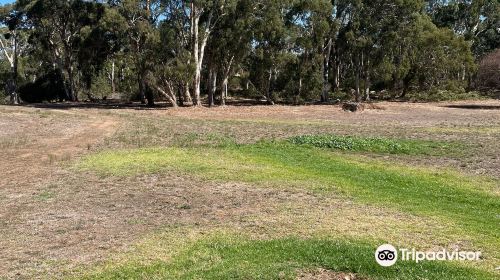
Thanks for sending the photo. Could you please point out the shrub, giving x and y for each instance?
(435, 95)
(49, 87)
(488, 76)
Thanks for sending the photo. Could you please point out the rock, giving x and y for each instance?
(353, 107)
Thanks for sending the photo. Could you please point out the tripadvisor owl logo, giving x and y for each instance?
(386, 255)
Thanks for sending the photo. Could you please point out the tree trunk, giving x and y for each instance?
(337, 75)
(11, 86)
(198, 49)
(188, 101)
(227, 72)
(195, 21)
(357, 90)
(367, 88)
(213, 88)
(300, 86)
(72, 88)
(223, 92)
(367, 81)
(113, 86)
(326, 71)
(150, 97)
(142, 88)
(269, 88)
(170, 95)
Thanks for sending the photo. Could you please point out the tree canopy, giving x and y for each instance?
(273, 50)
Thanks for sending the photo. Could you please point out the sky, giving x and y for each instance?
(6, 1)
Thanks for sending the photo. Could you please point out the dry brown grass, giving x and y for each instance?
(54, 219)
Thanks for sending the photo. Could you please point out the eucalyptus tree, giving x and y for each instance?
(171, 72)
(204, 15)
(477, 20)
(230, 45)
(313, 23)
(140, 18)
(13, 43)
(271, 43)
(60, 27)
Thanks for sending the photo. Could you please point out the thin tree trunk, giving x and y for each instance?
(199, 49)
(170, 95)
(11, 86)
(113, 86)
(223, 94)
(213, 89)
(326, 71)
(337, 75)
(72, 88)
(225, 83)
(195, 37)
(269, 87)
(188, 101)
(367, 86)
(357, 90)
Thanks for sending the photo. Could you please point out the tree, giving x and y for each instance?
(477, 20)
(230, 44)
(60, 28)
(13, 43)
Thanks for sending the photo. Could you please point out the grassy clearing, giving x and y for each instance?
(472, 204)
(378, 145)
(224, 256)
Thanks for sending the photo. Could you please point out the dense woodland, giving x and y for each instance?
(201, 52)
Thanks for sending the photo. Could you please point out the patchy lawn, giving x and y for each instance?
(247, 192)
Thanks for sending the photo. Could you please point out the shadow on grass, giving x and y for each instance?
(474, 107)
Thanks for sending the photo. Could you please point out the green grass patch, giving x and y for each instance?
(450, 94)
(45, 195)
(233, 257)
(472, 204)
(378, 144)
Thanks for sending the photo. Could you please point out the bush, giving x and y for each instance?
(436, 95)
(488, 77)
(49, 87)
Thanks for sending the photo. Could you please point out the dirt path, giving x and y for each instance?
(47, 147)
(33, 148)
(53, 219)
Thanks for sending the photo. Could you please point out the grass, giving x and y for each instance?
(378, 144)
(472, 204)
(223, 256)
(452, 94)
(45, 195)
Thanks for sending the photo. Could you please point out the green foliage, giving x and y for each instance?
(288, 50)
(435, 95)
(225, 256)
(376, 145)
(470, 201)
(478, 21)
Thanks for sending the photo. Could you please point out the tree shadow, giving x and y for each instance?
(118, 105)
(108, 105)
(474, 107)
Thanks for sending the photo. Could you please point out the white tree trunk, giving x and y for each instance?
(113, 87)
(198, 49)
(213, 88)
(169, 94)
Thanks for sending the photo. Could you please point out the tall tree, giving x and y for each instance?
(13, 43)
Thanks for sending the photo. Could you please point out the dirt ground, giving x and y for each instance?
(54, 219)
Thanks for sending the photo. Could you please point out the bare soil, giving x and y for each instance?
(54, 219)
